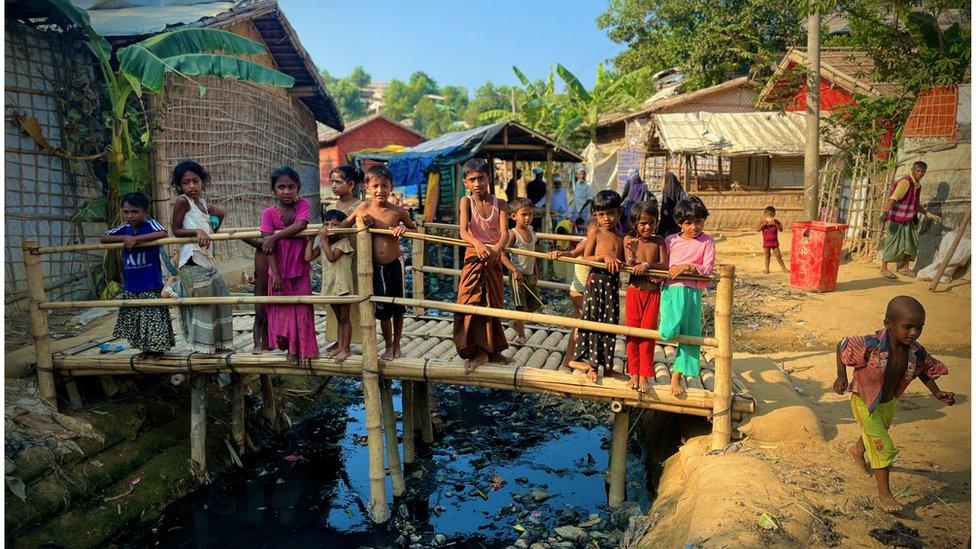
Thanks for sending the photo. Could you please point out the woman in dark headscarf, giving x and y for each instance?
(634, 191)
(670, 197)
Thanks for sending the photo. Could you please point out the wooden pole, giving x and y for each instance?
(426, 427)
(198, 425)
(811, 156)
(371, 384)
(418, 273)
(40, 331)
(270, 406)
(618, 458)
(238, 415)
(722, 400)
(960, 231)
(390, 434)
(409, 434)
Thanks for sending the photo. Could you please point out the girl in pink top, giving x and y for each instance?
(689, 252)
(291, 328)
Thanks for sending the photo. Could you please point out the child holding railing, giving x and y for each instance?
(691, 251)
(148, 329)
(291, 327)
(644, 250)
(337, 278)
(524, 277)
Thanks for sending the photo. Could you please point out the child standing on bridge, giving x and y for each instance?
(524, 277)
(601, 301)
(884, 364)
(689, 252)
(643, 250)
(484, 221)
(337, 277)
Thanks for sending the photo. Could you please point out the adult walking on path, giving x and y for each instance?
(582, 197)
(670, 196)
(901, 213)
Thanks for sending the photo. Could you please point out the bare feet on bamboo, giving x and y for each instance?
(471, 364)
(633, 381)
(676, 388)
(643, 386)
(499, 358)
(144, 356)
(520, 339)
(341, 354)
(387, 354)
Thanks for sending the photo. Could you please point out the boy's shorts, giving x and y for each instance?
(388, 282)
(874, 431)
(525, 294)
(580, 274)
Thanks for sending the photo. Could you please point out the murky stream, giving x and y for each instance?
(507, 466)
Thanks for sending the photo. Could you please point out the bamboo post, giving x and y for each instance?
(39, 327)
(237, 412)
(418, 264)
(426, 427)
(270, 406)
(198, 425)
(722, 400)
(960, 231)
(390, 434)
(618, 458)
(409, 436)
(371, 382)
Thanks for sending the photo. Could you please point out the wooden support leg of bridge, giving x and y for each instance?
(40, 331)
(198, 425)
(379, 511)
(722, 400)
(423, 406)
(390, 434)
(409, 435)
(74, 397)
(618, 458)
(237, 427)
(270, 406)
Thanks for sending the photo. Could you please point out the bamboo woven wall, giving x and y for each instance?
(42, 191)
(239, 132)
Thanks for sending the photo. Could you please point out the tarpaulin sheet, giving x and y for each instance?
(409, 167)
(141, 17)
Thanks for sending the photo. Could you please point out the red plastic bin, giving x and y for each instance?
(815, 256)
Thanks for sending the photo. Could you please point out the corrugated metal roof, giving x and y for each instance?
(327, 134)
(140, 17)
(734, 134)
(672, 97)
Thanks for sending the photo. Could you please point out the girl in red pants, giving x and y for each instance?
(643, 251)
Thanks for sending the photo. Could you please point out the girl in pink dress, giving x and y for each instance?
(291, 328)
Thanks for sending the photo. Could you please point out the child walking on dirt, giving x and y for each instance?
(601, 300)
(643, 250)
(388, 274)
(770, 228)
(148, 329)
(484, 221)
(291, 327)
(524, 278)
(337, 277)
(884, 364)
(689, 252)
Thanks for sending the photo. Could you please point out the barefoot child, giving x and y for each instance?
(643, 250)
(484, 220)
(291, 327)
(379, 213)
(148, 329)
(336, 277)
(209, 328)
(259, 330)
(524, 278)
(576, 289)
(601, 300)
(884, 364)
(770, 228)
(689, 252)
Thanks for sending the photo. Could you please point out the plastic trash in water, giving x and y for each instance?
(105, 348)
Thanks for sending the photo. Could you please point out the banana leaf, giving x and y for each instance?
(200, 40)
(572, 83)
(149, 69)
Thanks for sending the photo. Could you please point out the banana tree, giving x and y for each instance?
(584, 108)
(538, 108)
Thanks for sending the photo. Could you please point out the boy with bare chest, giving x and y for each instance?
(601, 300)
(379, 213)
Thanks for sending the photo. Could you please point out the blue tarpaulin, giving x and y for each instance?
(410, 167)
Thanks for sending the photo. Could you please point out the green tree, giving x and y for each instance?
(401, 97)
(489, 97)
(347, 93)
(709, 41)
(538, 107)
(583, 109)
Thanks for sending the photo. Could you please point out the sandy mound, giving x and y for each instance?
(781, 415)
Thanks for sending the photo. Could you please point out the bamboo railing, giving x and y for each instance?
(416, 373)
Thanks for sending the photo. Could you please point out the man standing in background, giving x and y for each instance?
(582, 196)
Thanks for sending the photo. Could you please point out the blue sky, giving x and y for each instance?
(462, 43)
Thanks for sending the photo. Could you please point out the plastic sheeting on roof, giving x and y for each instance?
(140, 17)
(409, 168)
(734, 134)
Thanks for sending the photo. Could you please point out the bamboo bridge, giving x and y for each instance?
(430, 358)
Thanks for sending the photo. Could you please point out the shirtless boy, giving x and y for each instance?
(379, 213)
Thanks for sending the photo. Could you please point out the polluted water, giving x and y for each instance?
(505, 469)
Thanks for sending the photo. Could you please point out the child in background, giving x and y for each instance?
(885, 363)
(209, 328)
(643, 250)
(689, 252)
(337, 277)
(524, 277)
(148, 329)
(601, 301)
(388, 267)
(770, 227)
(291, 327)
(576, 288)
(484, 221)
(344, 179)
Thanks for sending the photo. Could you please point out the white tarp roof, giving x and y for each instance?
(735, 134)
(140, 17)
